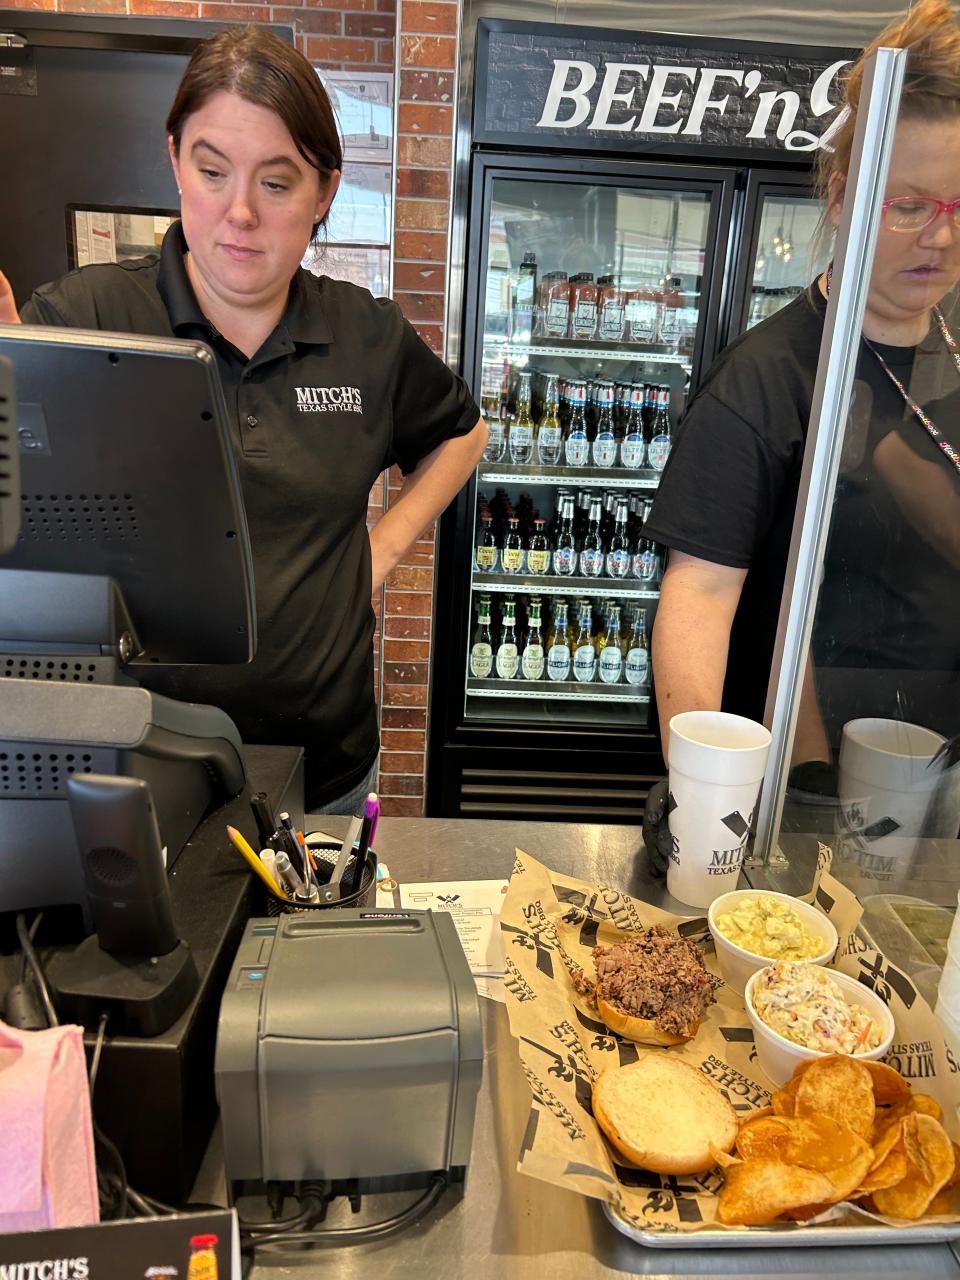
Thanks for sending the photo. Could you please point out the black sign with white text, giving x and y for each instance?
(569, 87)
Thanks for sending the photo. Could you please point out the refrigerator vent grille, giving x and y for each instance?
(553, 797)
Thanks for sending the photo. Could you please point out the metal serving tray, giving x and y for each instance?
(793, 1235)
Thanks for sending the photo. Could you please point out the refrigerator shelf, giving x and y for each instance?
(622, 477)
(640, 354)
(534, 584)
(557, 690)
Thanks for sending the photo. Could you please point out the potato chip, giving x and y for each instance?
(927, 1106)
(886, 1174)
(767, 1136)
(941, 1205)
(888, 1084)
(783, 1102)
(955, 1176)
(757, 1191)
(913, 1147)
(885, 1138)
(911, 1197)
(817, 1142)
(841, 1088)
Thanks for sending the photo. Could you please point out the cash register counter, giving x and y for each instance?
(504, 1224)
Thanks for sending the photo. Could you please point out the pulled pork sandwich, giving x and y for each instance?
(653, 987)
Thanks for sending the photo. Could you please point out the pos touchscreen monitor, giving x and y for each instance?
(133, 552)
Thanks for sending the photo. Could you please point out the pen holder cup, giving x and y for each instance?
(325, 856)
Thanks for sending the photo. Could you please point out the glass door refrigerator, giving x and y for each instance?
(602, 274)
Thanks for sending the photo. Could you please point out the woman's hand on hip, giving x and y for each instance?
(8, 308)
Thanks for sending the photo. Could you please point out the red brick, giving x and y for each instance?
(401, 628)
(386, 53)
(387, 6)
(419, 278)
(426, 86)
(327, 50)
(429, 16)
(434, 183)
(419, 557)
(368, 5)
(31, 4)
(328, 22)
(401, 762)
(406, 672)
(403, 717)
(368, 24)
(434, 153)
(236, 12)
(165, 8)
(432, 334)
(424, 118)
(420, 246)
(405, 579)
(438, 52)
(406, 650)
(421, 306)
(410, 603)
(404, 695)
(392, 784)
(403, 740)
(395, 807)
(422, 215)
(95, 6)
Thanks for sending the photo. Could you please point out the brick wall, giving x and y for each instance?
(346, 35)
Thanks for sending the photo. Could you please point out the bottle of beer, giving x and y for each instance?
(538, 554)
(591, 557)
(633, 451)
(511, 557)
(549, 433)
(661, 437)
(495, 446)
(558, 644)
(646, 561)
(610, 663)
(577, 446)
(533, 660)
(585, 650)
(605, 440)
(481, 654)
(618, 553)
(486, 552)
(565, 552)
(637, 667)
(521, 429)
(508, 658)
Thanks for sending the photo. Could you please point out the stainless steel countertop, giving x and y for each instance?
(504, 1224)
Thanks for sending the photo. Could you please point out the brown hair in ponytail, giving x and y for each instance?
(931, 87)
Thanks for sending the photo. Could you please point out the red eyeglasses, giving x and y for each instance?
(913, 213)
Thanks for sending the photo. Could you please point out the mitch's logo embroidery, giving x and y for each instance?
(329, 399)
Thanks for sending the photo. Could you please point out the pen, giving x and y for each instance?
(376, 817)
(289, 842)
(286, 874)
(346, 849)
(370, 809)
(256, 866)
(266, 825)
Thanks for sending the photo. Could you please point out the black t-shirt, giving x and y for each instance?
(889, 599)
(342, 389)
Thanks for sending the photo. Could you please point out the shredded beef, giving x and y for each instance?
(655, 975)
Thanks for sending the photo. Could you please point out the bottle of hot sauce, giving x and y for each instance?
(584, 296)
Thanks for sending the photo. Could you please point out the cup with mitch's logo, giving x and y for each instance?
(717, 762)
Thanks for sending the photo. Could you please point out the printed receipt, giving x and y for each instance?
(474, 906)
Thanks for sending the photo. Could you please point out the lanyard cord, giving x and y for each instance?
(935, 434)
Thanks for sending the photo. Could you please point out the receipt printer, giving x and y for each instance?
(349, 1046)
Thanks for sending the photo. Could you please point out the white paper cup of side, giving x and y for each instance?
(780, 1057)
(717, 762)
(736, 963)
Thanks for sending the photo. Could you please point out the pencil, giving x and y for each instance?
(256, 866)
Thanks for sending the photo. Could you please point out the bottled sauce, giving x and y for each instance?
(605, 441)
(565, 552)
(533, 660)
(584, 296)
(486, 552)
(642, 314)
(202, 1264)
(637, 665)
(538, 553)
(611, 318)
(481, 652)
(585, 651)
(511, 557)
(525, 299)
(550, 433)
(508, 657)
(591, 556)
(660, 432)
(633, 450)
(618, 552)
(558, 645)
(670, 309)
(554, 305)
(521, 429)
(610, 662)
(577, 447)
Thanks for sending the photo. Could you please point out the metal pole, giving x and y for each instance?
(839, 351)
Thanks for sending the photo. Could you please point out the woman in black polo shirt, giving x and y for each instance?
(327, 387)
(887, 637)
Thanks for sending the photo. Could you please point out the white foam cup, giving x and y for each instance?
(717, 762)
(891, 793)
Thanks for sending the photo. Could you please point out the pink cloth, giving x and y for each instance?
(47, 1173)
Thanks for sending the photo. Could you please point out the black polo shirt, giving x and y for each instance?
(341, 389)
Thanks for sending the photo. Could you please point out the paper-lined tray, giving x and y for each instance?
(550, 924)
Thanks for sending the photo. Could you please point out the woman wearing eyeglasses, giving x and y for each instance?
(888, 614)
